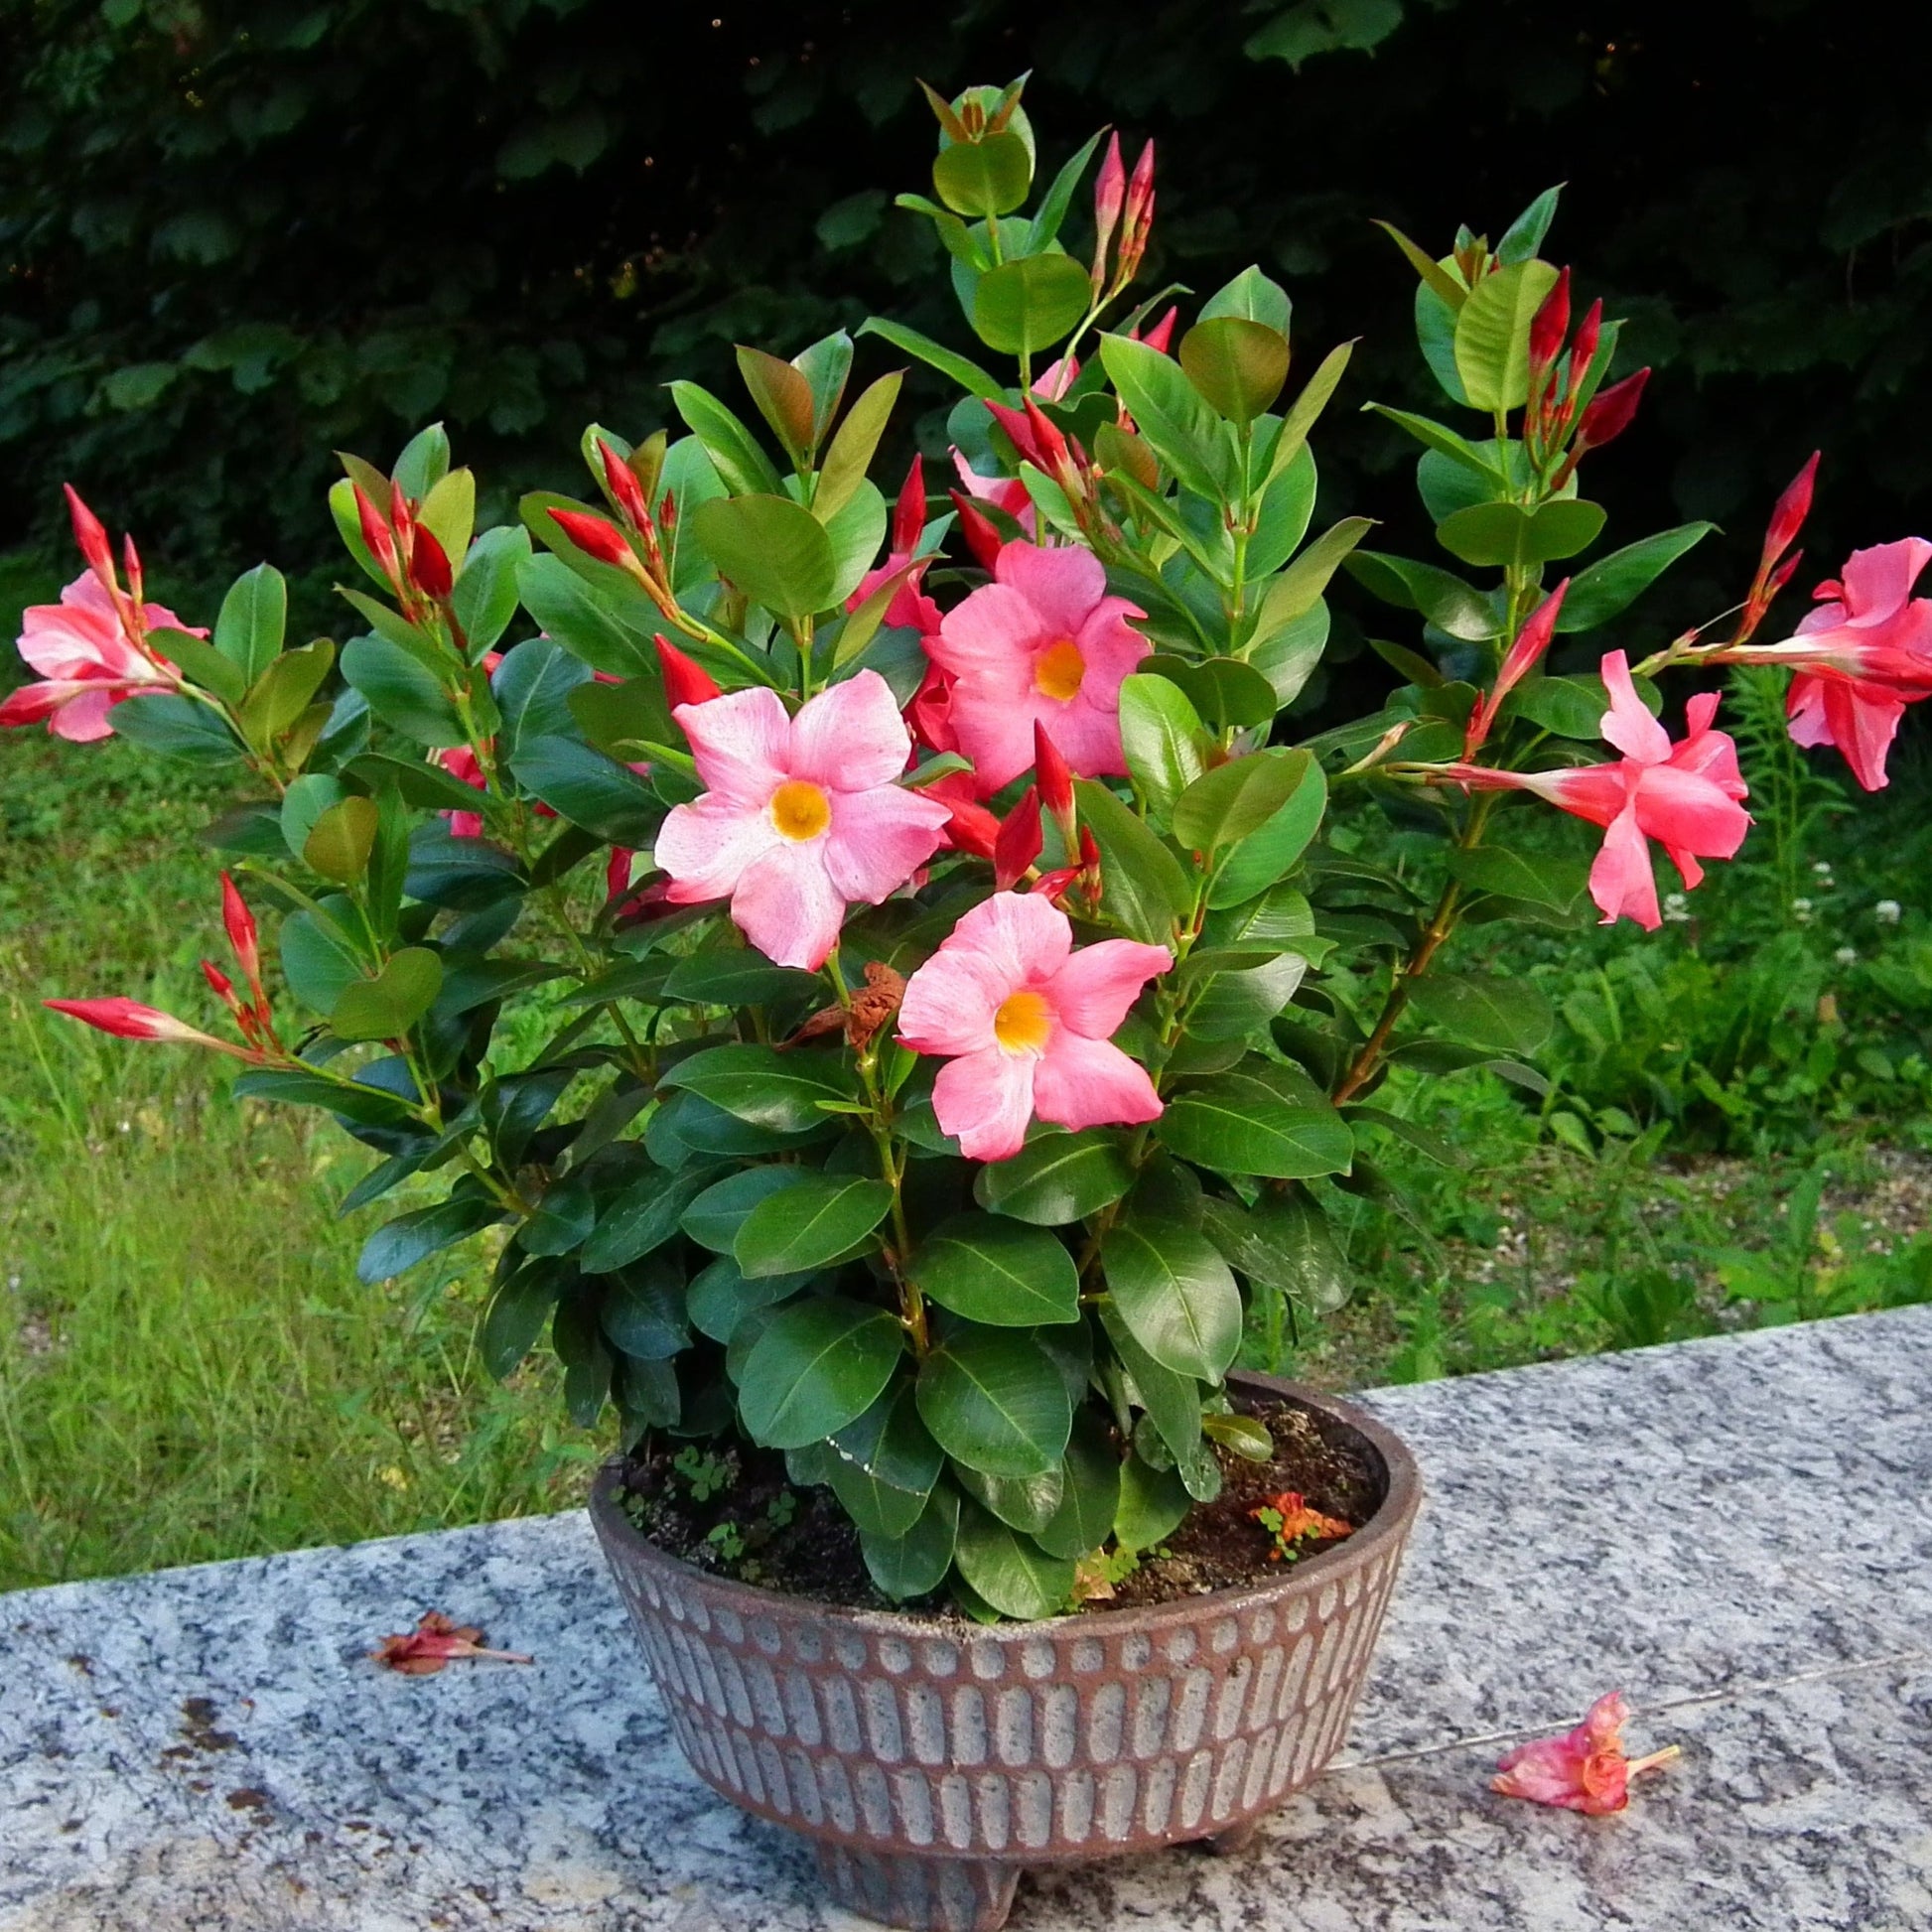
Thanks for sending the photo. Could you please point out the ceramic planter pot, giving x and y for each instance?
(932, 1761)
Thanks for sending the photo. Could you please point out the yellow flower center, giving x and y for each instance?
(1023, 1023)
(1060, 669)
(800, 810)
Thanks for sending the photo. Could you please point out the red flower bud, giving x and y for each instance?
(596, 538)
(1783, 575)
(1052, 443)
(1138, 208)
(1610, 411)
(684, 681)
(667, 512)
(1089, 852)
(89, 535)
(1019, 840)
(617, 871)
(1788, 518)
(626, 490)
(972, 828)
(221, 984)
(243, 936)
(1582, 351)
(1550, 326)
(1055, 781)
(377, 538)
(982, 539)
(131, 559)
(908, 516)
(1160, 334)
(429, 565)
(1021, 432)
(1109, 195)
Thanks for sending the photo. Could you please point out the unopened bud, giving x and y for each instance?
(982, 539)
(1018, 843)
(89, 535)
(1610, 411)
(1055, 781)
(1162, 334)
(1788, 518)
(684, 681)
(377, 538)
(596, 538)
(621, 482)
(909, 514)
(1109, 193)
(1549, 325)
(429, 565)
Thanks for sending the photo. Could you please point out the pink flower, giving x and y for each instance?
(1684, 795)
(1043, 643)
(459, 761)
(1007, 494)
(1861, 657)
(1583, 1770)
(85, 661)
(800, 816)
(1026, 1025)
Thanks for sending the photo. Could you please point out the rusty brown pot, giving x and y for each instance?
(931, 1761)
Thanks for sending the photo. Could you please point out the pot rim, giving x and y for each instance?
(1389, 1525)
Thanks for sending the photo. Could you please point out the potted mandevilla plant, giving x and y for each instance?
(942, 1007)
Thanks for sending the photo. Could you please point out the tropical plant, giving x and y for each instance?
(954, 1012)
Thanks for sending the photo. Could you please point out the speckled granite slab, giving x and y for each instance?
(1738, 1533)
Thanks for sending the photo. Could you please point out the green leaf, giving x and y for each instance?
(998, 1271)
(424, 462)
(853, 448)
(714, 1216)
(732, 976)
(1056, 1179)
(1224, 690)
(399, 1245)
(1540, 879)
(1288, 657)
(773, 550)
(1572, 707)
(1524, 237)
(1163, 736)
(485, 595)
(1153, 1504)
(585, 621)
(1268, 852)
(743, 467)
(515, 1318)
(1237, 1001)
(1176, 1293)
(338, 843)
(1025, 307)
(365, 1105)
(203, 663)
(1144, 889)
(1492, 333)
(532, 687)
(882, 1466)
(784, 399)
(1282, 1243)
(819, 1364)
(1252, 295)
(1306, 409)
(1169, 411)
(990, 176)
(1171, 1401)
(1008, 1569)
(918, 1561)
(1294, 590)
(1432, 1146)
(721, 1296)
(1444, 440)
(995, 1400)
(254, 618)
(1445, 599)
(448, 514)
(1236, 363)
(1058, 198)
(1089, 1493)
(386, 1007)
(1436, 277)
(176, 727)
(402, 692)
(1507, 534)
(1226, 805)
(1612, 584)
(759, 1084)
(1510, 1016)
(811, 1224)
(643, 1313)
(1023, 1503)
(643, 1217)
(1236, 1125)
(967, 373)
(589, 789)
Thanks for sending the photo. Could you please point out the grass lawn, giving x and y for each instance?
(189, 1369)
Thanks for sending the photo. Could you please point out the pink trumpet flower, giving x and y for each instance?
(800, 816)
(1583, 1770)
(130, 1019)
(1861, 657)
(1041, 643)
(1684, 795)
(86, 659)
(1026, 1025)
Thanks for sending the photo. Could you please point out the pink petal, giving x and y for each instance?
(742, 743)
(82, 719)
(992, 637)
(1628, 724)
(787, 908)
(1805, 706)
(879, 838)
(950, 1002)
(706, 846)
(851, 735)
(985, 1100)
(1093, 991)
(1063, 584)
(1086, 731)
(1546, 1772)
(1596, 792)
(1880, 580)
(1620, 879)
(1025, 940)
(1863, 725)
(1112, 648)
(994, 728)
(1711, 755)
(1091, 1083)
(1686, 809)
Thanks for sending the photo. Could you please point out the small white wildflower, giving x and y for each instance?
(1887, 912)
(1847, 955)
(1823, 868)
(127, 1127)
(1801, 911)
(13, 1281)
(1677, 908)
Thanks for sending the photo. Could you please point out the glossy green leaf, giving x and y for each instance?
(773, 550)
(884, 1466)
(1145, 890)
(1445, 599)
(713, 1216)
(1023, 1503)
(1238, 365)
(966, 372)
(853, 448)
(1056, 1179)
(784, 399)
(1174, 1291)
(643, 1312)
(1511, 1016)
(589, 789)
(1236, 1125)
(402, 692)
(1509, 535)
(1268, 852)
(485, 595)
(998, 1271)
(642, 1218)
(1614, 583)
(1153, 1504)
(995, 1400)
(743, 467)
(1009, 1569)
(1163, 736)
(1169, 411)
(1492, 333)
(918, 1561)
(1541, 879)
(399, 1245)
(720, 1296)
(1171, 1400)
(516, 1319)
(990, 176)
(818, 1366)
(764, 1086)
(339, 841)
(810, 1224)
(1089, 1493)
(254, 621)
(1224, 805)
(532, 687)
(386, 1007)
(1025, 307)
(1283, 1242)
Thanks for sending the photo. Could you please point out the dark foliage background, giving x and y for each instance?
(239, 233)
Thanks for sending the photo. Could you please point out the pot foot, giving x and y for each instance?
(920, 1894)
(1236, 1838)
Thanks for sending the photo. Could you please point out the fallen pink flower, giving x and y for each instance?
(1583, 1770)
(433, 1643)
(1025, 1025)
(1042, 643)
(800, 816)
